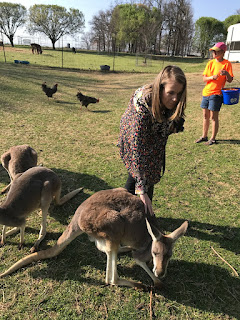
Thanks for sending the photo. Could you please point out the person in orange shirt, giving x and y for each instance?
(216, 73)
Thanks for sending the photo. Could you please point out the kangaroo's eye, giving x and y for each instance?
(155, 254)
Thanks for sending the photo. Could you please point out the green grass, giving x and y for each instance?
(89, 60)
(201, 184)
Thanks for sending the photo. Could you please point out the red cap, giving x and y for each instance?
(219, 46)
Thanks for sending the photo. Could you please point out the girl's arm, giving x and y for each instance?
(228, 76)
(206, 79)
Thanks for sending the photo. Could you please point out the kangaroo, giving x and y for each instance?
(17, 160)
(30, 190)
(116, 221)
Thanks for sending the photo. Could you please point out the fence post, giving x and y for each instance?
(3, 48)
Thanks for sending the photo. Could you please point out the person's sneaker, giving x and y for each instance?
(202, 139)
(210, 142)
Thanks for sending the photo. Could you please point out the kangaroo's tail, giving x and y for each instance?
(68, 235)
(67, 196)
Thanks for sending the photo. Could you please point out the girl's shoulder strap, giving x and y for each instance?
(138, 99)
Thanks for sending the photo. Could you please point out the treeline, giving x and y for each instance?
(152, 26)
(158, 27)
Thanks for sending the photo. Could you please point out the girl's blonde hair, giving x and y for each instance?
(153, 91)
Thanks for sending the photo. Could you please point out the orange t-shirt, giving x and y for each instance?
(212, 68)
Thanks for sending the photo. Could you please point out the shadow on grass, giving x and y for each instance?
(203, 286)
(4, 177)
(64, 102)
(81, 109)
(227, 237)
(100, 111)
(228, 141)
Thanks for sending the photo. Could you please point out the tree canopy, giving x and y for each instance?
(12, 16)
(54, 21)
(231, 20)
(149, 27)
(208, 31)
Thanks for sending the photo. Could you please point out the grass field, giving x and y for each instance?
(201, 185)
(88, 60)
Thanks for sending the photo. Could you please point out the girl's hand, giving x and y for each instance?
(226, 73)
(147, 203)
(223, 72)
(214, 77)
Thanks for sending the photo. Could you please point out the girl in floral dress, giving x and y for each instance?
(154, 112)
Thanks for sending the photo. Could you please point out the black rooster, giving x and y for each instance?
(49, 91)
(85, 100)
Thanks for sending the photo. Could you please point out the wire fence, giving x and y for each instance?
(45, 42)
(80, 59)
(71, 53)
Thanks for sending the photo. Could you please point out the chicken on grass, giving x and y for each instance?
(86, 100)
(49, 91)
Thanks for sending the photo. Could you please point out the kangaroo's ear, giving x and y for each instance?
(178, 232)
(153, 231)
(5, 158)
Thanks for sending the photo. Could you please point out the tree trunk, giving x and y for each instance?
(53, 44)
(11, 39)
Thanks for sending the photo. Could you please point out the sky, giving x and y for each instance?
(219, 9)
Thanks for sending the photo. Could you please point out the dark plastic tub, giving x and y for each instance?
(105, 68)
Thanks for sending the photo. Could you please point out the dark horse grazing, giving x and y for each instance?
(36, 47)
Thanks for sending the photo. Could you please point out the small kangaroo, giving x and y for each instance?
(17, 160)
(116, 221)
(30, 190)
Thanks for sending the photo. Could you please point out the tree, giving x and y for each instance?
(12, 16)
(207, 32)
(101, 29)
(136, 26)
(127, 26)
(178, 26)
(231, 20)
(54, 21)
(150, 19)
(87, 39)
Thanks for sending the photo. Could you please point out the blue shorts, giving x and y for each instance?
(212, 103)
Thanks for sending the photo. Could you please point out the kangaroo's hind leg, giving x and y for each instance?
(45, 201)
(6, 233)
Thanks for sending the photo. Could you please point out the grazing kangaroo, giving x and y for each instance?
(17, 160)
(36, 47)
(30, 190)
(116, 221)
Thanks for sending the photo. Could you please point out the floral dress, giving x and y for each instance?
(142, 142)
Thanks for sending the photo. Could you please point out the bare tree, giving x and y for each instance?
(12, 16)
(101, 29)
(178, 26)
(87, 39)
(54, 21)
